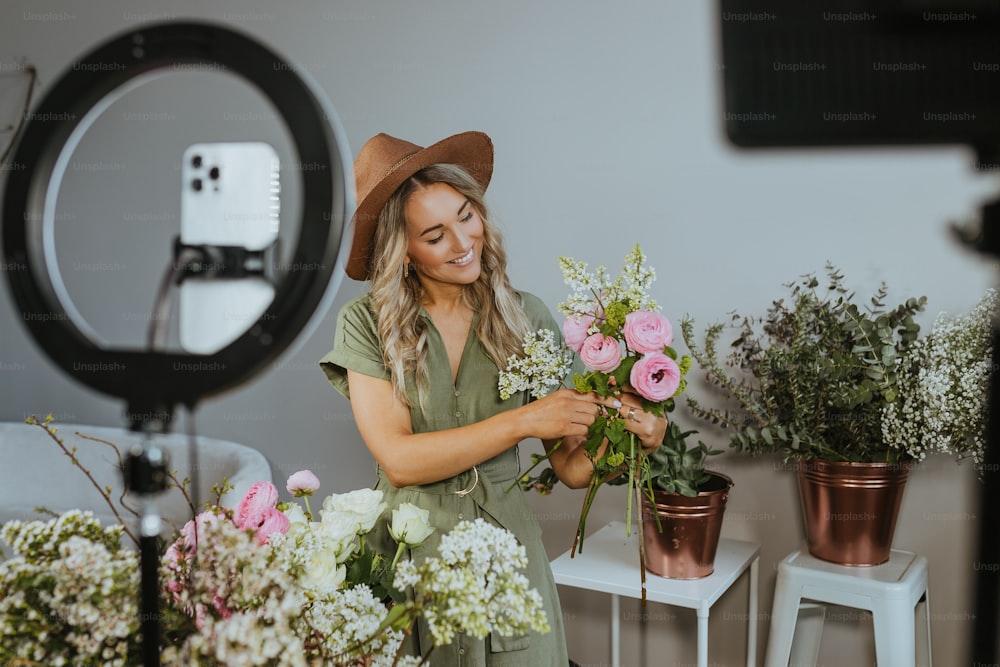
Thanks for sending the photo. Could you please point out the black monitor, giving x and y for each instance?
(862, 72)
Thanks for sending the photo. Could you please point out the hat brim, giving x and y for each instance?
(473, 151)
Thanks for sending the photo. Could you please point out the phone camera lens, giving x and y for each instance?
(196, 185)
(196, 161)
(213, 173)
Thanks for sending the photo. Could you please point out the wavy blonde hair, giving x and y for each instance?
(396, 300)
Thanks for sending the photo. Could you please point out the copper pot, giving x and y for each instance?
(850, 509)
(683, 544)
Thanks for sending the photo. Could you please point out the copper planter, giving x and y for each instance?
(850, 509)
(683, 546)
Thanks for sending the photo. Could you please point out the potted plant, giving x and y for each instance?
(810, 380)
(683, 505)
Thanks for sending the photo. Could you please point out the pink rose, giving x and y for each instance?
(601, 353)
(260, 497)
(273, 521)
(646, 331)
(302, 483)
(655, 376)
(574, 331)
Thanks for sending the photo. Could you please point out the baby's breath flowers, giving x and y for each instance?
(943, 386)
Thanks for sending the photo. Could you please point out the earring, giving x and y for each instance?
(406, 270)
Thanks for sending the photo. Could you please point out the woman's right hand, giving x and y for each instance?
(563, 413)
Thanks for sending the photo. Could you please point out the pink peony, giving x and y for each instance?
(260, 497)
(646, 331)
(302, 483)
(574, 331)
(273, 521)
(601, 353)
(655, 376)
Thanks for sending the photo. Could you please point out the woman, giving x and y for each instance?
(419, 358)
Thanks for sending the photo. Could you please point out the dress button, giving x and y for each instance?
(458, 415)
(461, 516)
(461, 651)
(458, 393)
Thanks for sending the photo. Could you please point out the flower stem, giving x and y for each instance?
(309, 512)
(534, 465)
(399, 552)
(632, 484)
(595, 483)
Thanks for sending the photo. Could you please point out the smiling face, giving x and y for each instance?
(444, 236)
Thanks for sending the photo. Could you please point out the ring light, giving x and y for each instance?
(152, 383)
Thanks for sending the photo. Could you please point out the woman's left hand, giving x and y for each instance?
(646, 425)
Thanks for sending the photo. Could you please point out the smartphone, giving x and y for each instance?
(230, 196)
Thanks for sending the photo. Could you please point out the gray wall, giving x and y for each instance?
(607, 128)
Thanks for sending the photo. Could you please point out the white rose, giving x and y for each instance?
(298, 522)
(410, 524)
(364, 505)
(338, 531)
(323, 573)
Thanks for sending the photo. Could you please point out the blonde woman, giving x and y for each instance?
(419, 357)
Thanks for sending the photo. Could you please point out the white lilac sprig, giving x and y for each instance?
(540, 369)
(68, 594)
(475, 585)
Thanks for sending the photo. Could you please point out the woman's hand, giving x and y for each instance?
(565, 412)
(648, 427)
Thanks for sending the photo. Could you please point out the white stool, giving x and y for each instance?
(891, 592)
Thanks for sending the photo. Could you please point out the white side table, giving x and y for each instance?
(609, 563)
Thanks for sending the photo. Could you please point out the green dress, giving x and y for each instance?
(471, 398)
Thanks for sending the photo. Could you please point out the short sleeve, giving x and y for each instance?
(356, 346)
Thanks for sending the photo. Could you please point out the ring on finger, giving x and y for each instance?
(631, 413)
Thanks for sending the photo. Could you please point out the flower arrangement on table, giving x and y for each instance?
(266, 583)
(624, 343)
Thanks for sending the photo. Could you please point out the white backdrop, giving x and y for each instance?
(607, 126)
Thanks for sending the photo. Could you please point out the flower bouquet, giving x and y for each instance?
(624, 344)
(266, 583)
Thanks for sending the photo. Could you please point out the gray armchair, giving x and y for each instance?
(34, 471)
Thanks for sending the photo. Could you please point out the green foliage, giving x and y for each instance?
(810, 379)
(674, 467)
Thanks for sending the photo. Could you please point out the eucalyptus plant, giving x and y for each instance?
(675, 466)
(810, 379)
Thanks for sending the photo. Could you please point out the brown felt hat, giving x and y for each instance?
(385, 162)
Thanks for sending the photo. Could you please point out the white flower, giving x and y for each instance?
(542, 367)
(323, 573)
(410, 524)
(339, 533)
(365, 506)
(474, 585)
(630, 286)
(943, 384)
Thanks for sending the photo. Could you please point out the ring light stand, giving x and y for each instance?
(152, 382)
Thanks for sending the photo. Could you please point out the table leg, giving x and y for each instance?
(752, 614)
(703, 638)
(615, 632)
